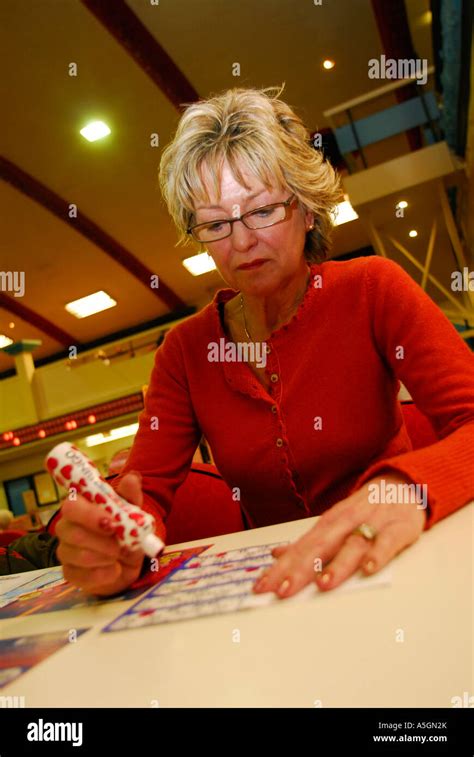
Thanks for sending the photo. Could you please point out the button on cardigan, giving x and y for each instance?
(330, 420)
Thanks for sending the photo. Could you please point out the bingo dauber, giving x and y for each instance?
(134, 528)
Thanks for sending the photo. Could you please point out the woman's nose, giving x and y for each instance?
(242, 237)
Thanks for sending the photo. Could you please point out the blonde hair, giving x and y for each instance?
(6, 517)
(263, 133)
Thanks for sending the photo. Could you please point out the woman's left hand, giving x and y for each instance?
(330, 552)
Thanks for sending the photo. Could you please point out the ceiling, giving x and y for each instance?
(113, 182)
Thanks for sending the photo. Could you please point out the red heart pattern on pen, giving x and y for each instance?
(66, 471)
(138, 517)
(130, 523)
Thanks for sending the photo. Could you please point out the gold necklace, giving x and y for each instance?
(245, 320)
(243, 308)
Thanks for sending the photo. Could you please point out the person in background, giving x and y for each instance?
(28, 552)
(306, 421)
(6, 517)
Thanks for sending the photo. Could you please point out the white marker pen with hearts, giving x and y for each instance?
(133, 527)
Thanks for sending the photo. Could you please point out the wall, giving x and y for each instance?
(63, 391)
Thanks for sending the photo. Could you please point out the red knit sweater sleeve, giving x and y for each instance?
(426, 353)
(168, 433)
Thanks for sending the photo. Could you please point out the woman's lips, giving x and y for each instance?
(251, 266)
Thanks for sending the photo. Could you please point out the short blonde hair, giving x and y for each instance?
(255, 128)
(6, 517)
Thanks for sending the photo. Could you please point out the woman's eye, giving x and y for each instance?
(214, 226)
(264, 212)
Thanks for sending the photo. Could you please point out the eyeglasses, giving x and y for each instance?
(260, 218)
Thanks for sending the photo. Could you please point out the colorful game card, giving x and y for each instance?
(29, 584)
(50, 592)
(21, 653)
(221, 583)
(210, 584)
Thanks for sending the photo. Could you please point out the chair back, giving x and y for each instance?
(6, 537)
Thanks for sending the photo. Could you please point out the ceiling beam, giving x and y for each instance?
(34, 319)
(38, 192)
(127, 29)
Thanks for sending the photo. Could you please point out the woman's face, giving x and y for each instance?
(281, 245)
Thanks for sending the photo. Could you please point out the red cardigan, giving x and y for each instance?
(362, 325)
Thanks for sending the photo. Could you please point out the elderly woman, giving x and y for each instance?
(308, 421)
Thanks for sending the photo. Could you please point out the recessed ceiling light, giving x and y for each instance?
(402, 204)
(199, 264)
(95, 130)
(413, 233)
(425, 19)
(11, 325)
(5, 341)
(344, 212)
(93, 303)
(327, 64)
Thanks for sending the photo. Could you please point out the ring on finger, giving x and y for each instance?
(367, 531)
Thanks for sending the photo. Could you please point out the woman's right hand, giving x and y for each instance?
(91, 556)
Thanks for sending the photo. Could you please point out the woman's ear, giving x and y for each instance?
(309, 220)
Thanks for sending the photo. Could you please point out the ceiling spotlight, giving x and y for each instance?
(95, 130)
(413, 233)
(328, 64)
(402, 204)
(425, 19)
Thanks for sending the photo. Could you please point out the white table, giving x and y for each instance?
(335, 650)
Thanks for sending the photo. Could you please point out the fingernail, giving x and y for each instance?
(369, 566)
(105, 523)
(283, 589)
(325, 578)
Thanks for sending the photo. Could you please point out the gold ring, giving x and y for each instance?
(367, 531)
